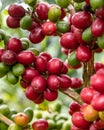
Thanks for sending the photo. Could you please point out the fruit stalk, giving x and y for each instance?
(88, 68)
(5, 120)
(73, 95)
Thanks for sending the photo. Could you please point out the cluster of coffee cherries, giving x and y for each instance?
(77, 37)
(41, 76)
(89, 115)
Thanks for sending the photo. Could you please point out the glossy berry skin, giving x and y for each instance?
(42, 10)
(40, 124)
(30, 93)
(26, 57)
(97, 82)
(98, 65)
(74, 107)
(100, 12)
(21, 119)
(50, 95)
(90, 114)
(97, 27)
(39, 99)
(29, 74)
(17, 11)
(79, 121)
(12, 22)
(45, 55)
(36, 35)
(14, 44)
(87, 94)
(40, 64)
(83, 53)
(79, 18)
(99, 124)
(65, 82)
(68, 41)
(53, 82)
(49, 28)
(39, 84)
(23, 84)
(76, 83)
(9, 57)
(98, 102)
(54, 66)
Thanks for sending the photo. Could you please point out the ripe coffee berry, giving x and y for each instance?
(16, 11)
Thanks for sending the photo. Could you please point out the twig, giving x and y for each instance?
(73, 95)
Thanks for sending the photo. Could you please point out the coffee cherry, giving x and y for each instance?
(87, 35)
(23, 84)
(45, 55)
(68, 41)
(65, 82)
(98, 124)
(30, 93)
(36, 35)
(29, 74)
(12, 22)
(50, 95)
(63, 4)
(14, 126)
(54, 13)
(48, 28)
(26, 22)
(53, 82)
(74, 107)
(98, 65)
(26, 57)
(76, 83)
(79, 18)
(39, 84)
(4, 68)
(100, 12)
(12, 78)
(96, 82)
(72, 60)
(17, 11)
(79, 121)
(62, 26)
(41, 64)
(98, 102)
(9, 57)
(14, 44)
(97, 27)
(18, 69)
(31, 3)
(39, 99)
(96, 5)
(29, 111)
(78, 35)
(100, 41)
(33, 26)
(90, 114)
(42, 10)
(54, 66)
(40, 124)
(21, 119)
(83, 53)
(87, 94)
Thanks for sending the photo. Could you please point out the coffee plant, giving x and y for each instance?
(49, 48)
